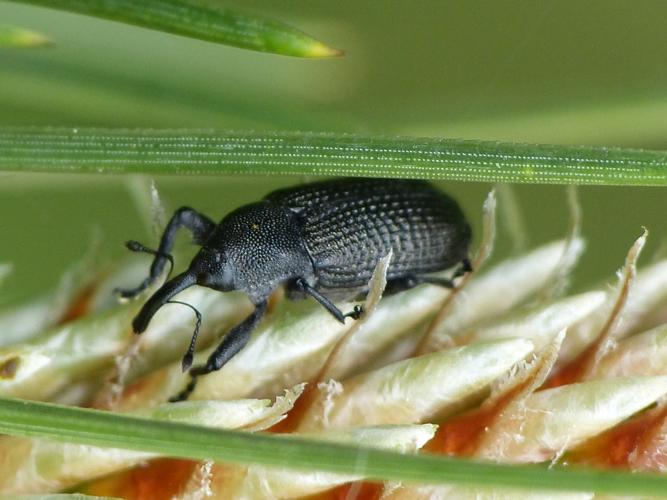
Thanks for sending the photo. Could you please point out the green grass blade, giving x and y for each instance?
(14, 37)
(25, 418)
(207, 152)
(183, 17)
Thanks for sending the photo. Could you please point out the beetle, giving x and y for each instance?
(315, 240)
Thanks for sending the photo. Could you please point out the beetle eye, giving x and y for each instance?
(205, 279)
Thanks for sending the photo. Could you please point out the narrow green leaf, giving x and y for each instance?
(205, 152)
(64, 465)
(98, 428)
(14, 37)
(184, 17)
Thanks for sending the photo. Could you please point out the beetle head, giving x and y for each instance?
(254, 249)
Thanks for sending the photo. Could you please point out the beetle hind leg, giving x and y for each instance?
(403, 283)
(464, 268)
(410, 281)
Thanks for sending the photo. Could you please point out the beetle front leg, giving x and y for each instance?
(233, 342)
(200, 226)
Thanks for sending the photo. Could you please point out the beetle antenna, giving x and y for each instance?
(189, 355)
(135, 246)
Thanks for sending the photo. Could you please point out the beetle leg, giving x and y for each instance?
(233, 342)
(432, 280)
(302, 285)
(412, 280)
(465, 267)
(355, 313)
(200, 226)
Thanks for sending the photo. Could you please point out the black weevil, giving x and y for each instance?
(313, 239)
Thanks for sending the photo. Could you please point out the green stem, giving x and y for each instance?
(25, 418)
(206, 152)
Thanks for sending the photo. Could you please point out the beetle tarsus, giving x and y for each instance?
(355, 313)
(464, 268)
(185, 393)
(130, 293)
(233, 342)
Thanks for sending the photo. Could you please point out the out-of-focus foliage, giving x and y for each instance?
(13, 37)
(560, 73)
(198, 20)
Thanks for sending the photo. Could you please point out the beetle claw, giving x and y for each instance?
(355, 313)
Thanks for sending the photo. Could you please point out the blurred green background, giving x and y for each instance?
(563, 72)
